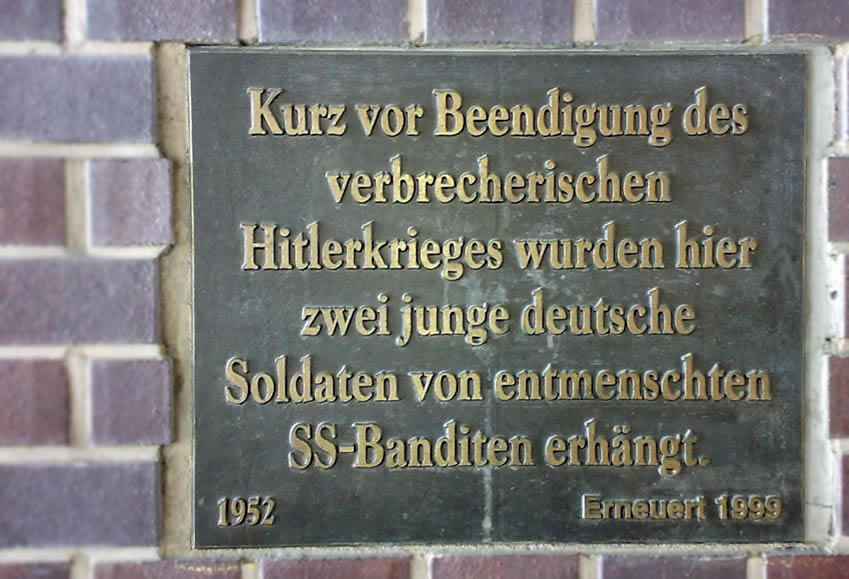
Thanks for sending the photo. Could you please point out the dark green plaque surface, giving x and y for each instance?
(741, 174)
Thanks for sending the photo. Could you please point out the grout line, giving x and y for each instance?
(839, 247)
(121, 554)
(248, 21)
(127, 252)
(839, 546)
(842, 65)
(251, 569)
(125, 351)
(89, 47)
(70, 455)
(23, 48)
(33, 252)
(38, 555)
(80, 402)
(416, 21)
(78, 150)
(74, 23)
(420, 565)
(71, 554)
(76, 205)
(840, 445)
(12, 252)
(839, 346)
(114, 48)
(584, 22)
(33, 352)
(755, 567)
(764, 13)
(58, 352)
(81, 567)
(755, 21)
(589, 567)
(838, 513)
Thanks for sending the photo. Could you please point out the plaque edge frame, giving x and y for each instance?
(816, 146)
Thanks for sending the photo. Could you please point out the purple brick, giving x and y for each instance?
(365, 568)
(35, 571)
(332, 21)
(838, 379)
(131, 401)
(635, 567)
(807, 567)
(32, 202)
(838, 199)
(520, 21)
(80, 98)
(65, 301)
(31, 20)
(808, 20)
(84, 504)
(506, 567)
(131, 202)
(156, 20)
(197, 569)
(845, 297)
(653, 21)
(34, 406)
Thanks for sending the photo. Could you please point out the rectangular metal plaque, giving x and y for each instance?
(483, 296)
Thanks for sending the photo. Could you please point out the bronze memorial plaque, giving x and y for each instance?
(497, 296)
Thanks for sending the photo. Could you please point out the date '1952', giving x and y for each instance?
(246, 511)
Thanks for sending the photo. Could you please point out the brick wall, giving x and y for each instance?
(94, 266)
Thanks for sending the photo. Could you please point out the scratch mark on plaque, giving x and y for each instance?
(486, 524)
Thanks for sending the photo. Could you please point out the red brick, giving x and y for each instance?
(34, 406)
(77, 98)
(35, 571)
(376, 568)
(520, 21)
(64, 301)
(838, 379)
(806, 20)
(807, 567)
(157, 20)
(31, 20)
(506, 567)
(656, 21)
(333, 21)
(635, 567)
(131, 401)
(197, 569)
(80, 504)
(130, 202)
(32, 202)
